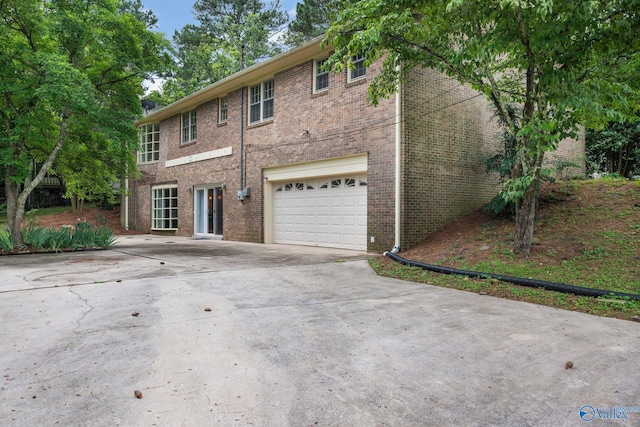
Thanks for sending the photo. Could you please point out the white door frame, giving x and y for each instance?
(200, 219)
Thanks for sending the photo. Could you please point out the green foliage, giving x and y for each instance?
(60, 239)
(71, 78)
(499, 207)
(312, 20)
(82, 236)
(561, 169)
(614, 149)
(104, 238)
(6, 242)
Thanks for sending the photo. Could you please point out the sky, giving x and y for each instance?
(173, 15)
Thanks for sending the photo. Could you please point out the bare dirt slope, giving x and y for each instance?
(93, 216)
(569, 215)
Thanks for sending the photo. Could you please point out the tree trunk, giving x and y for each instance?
(77, 204)
(526, 207)
(16, 199)
(15, 211)
(525, 215)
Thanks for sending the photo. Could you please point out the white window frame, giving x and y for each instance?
(261, 96)
(189, 127)
(357, 63)
(164, 207)
(318, 73)
(149, 150)
(223, 109)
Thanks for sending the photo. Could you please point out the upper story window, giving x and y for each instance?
(261, 102)
(149, 143)
(359, 70)
(222, 109)
(189, 127)
(320, 77)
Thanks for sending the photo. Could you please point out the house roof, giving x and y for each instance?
(246, 77)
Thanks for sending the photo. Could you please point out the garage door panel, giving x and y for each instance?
(322, 212)
(349, 220)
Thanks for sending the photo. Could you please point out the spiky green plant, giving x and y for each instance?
(83, 236)
(104, 238)
(35, 236)
(6, 242)
(60, 239)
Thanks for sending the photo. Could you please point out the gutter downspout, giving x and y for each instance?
(396, 247)
(126, 203)
(241, 138)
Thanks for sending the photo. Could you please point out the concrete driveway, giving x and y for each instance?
(295, 336)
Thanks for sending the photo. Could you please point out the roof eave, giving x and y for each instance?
(248, 76)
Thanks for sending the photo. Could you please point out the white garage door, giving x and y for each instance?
(329, 212)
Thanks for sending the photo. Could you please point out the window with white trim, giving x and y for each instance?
(189, 127)
(359, 70)
(149, 150)
(165, 207)
(222, 109)
(320, 77)
(261, 102)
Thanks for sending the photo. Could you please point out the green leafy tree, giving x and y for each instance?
(137, 9)
(68, 68)
(231, 35)
(89, 164)
(552, 58)
(615, 149)
(312, 20)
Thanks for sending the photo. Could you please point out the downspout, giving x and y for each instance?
(126, 203)
(241, 138)
(396, 247)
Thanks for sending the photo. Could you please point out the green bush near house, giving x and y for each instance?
(6, 242)
(82, 236)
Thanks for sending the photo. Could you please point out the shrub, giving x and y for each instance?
(34, 236)
(6, 242)
(83, 235)
(104, 238)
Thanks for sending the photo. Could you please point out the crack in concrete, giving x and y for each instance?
(86, 303)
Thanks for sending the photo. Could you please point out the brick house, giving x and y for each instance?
(282, 152)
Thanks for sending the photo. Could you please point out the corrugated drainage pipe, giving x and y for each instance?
(560, 287)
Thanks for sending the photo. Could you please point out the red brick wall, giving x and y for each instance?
(448, 130)
(340, 122)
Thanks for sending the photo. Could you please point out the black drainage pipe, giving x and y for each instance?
(560, 287)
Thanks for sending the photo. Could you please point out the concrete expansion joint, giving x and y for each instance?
(330, 302)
